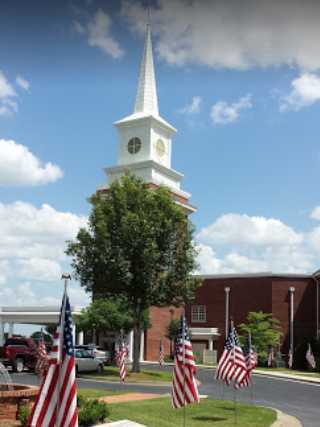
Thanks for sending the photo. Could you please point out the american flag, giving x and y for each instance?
(232, 364)
(161, 354)
(251, 359)
(270, 356)
(184, 385)
(250, 355)
(56, 403)
(290, 359)
(42, 363)
(123, 353)
(310, 357)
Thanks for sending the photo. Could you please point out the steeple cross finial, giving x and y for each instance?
(149, 14)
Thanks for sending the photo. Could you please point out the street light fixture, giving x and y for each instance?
(227, 309)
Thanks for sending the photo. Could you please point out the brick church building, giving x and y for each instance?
(145, 149)
(287, 296)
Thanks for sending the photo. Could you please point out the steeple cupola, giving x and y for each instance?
(144, 138)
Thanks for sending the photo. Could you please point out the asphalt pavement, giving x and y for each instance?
(296, 398)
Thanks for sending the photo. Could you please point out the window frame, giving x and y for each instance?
(199, 313)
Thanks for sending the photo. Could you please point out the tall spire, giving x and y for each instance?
(146, 100)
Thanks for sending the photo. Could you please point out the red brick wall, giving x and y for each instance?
(160, 319)
(304, 308)
(249, 294)
(268, 294)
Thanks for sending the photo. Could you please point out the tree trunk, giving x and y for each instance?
(136, 348)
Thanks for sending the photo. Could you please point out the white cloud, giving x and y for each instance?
(39, 269)
(236, 243)
(27, 294)
(314, 239)
(23, 83)
(4, 270)
(230, 229)
(98, 34)
(32, 245)
(315, 214)
(28, 232)
(233, 34)
(18, 166)
(8, 104)
(223, 113)
(305, 92)
(193, 107)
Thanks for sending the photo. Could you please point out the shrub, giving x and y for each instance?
(91, 412)
(23, 415)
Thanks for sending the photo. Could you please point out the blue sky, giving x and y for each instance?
(241, 85)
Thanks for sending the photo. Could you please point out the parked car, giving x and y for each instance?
(18, 353)
(97, 352)
(86, 362)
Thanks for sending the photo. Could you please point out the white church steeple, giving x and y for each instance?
(144, 146)
(147, 100)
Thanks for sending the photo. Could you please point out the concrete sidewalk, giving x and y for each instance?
(285, 420)
(295, 377)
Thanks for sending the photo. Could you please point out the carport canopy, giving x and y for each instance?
(32, 315)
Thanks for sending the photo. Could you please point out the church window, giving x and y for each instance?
(198, 313)
(134, 145)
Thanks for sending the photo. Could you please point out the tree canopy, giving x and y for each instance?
(265, 332)
(107, 315)
(138, 246)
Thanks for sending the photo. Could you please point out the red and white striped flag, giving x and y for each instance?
(56, 403)
(42, 363)
(251, 359)
(290, 359)
(310, 357)
(123, 353)
(270, 357)
(232, 367)
(161, 354)
(184, 385)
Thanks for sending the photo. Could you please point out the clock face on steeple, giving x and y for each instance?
(134, 145)
(160, 148)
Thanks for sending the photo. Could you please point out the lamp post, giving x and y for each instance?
(315, 278)
(317, 308)
(227, 308)
(291, 293)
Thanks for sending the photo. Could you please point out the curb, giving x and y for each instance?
(262, 373)
(285, 420)
(287, 377)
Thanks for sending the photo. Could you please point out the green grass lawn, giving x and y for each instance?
(218, 413)
(112, 374)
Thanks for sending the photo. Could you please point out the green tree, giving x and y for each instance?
(265, 332)
(107, 315)
(172, 332)
(138, 246)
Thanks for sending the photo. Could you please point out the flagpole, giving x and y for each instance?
(184, 367)
(250, 350)
(234, 388)
(65, 277)
(235, 406)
